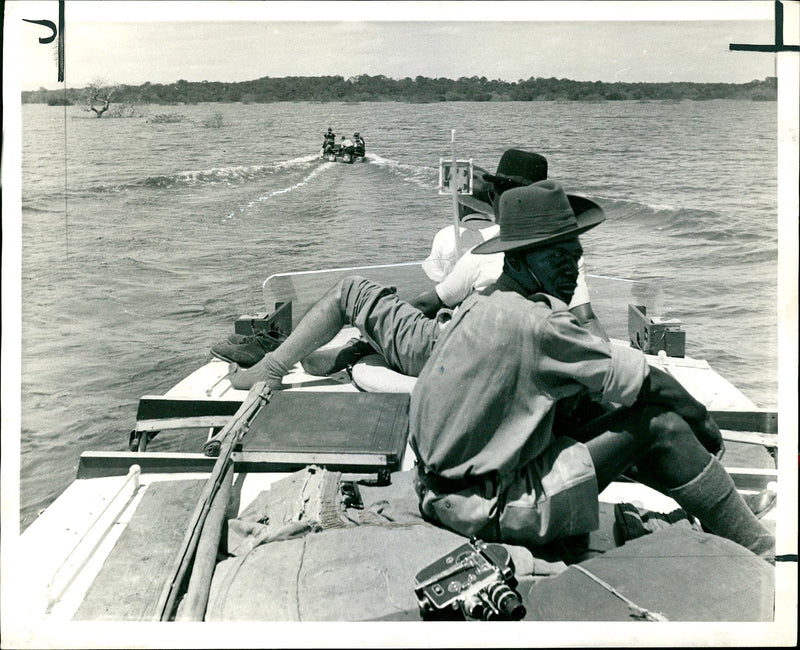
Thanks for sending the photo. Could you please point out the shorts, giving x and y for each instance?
(401, 333)
(552, 497)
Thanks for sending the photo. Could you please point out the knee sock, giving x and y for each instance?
(269, 369)
(711, 496)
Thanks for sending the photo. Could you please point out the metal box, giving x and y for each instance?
(279, 320)
(653, 334)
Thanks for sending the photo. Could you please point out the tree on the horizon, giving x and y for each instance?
(98, 96)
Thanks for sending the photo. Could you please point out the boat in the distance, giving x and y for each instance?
(339, 155)
(346, 151)
(298, 504)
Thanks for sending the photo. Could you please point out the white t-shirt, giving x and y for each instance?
(442, 258)
(476, 272)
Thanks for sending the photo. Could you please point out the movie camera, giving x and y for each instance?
(475, 581)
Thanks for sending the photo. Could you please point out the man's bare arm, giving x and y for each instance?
(588, 319)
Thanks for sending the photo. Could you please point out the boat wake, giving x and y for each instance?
(226, 175)
(320, 169)
(230, 175)
(424, 177)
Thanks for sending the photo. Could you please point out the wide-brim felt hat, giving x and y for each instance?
(517, 167)
(479, 200)
(540, 214)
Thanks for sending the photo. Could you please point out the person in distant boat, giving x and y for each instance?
(360, 146)
(329, 141)
(347, 146)
(495, 459)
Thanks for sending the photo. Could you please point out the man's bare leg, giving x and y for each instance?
(665, 448)
(322, 322)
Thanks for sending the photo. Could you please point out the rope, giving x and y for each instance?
(638, 612)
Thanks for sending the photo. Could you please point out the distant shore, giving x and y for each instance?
(365, 88)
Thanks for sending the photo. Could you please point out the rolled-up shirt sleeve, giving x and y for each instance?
(458, 284)
(569, 354)
(437, 264)
(470, 272)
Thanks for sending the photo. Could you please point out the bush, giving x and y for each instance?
(124, 110)
(166, 118)
(59, 101)
(214, 122)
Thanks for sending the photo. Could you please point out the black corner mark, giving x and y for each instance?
(778, 46)
(56, 31)
(46, 23)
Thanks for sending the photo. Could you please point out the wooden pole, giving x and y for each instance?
(193, 607)
(227, 439)
(454, 189)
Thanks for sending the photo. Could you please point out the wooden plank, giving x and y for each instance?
(95, 464)
(130, 581)
(155, 407)
(183, 423)
(756, 421)
(751, 438)
(746, 478)
(339, 462)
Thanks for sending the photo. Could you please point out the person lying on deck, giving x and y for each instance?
(515, 169)
(495, 459)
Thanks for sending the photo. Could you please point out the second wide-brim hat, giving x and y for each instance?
(539, 214)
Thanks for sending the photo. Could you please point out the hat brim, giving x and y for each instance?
(504, 178)
(587, 213)
(476, 204)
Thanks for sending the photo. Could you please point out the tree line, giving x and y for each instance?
(366, 88)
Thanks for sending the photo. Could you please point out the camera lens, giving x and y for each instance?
(506, 601)
(474, 608)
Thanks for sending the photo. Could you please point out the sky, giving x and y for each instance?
(135, 42)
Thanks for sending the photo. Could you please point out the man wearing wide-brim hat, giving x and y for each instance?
(517, 168)
(491, 462)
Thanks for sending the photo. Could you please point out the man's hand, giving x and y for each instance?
(709, 435)
(428, 303)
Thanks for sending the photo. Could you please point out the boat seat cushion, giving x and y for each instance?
(372, 374)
